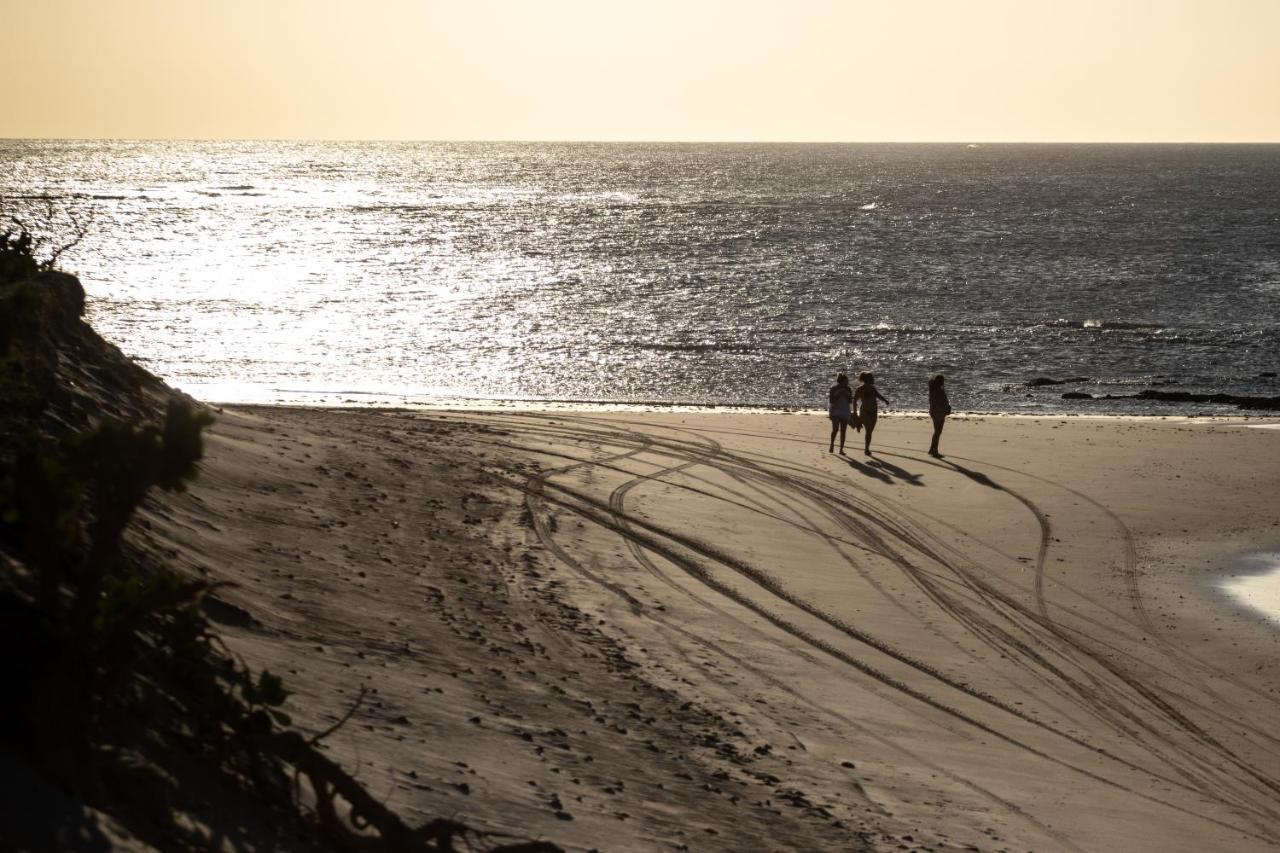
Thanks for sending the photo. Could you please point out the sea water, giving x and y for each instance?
(1255, 584)
(670, 273)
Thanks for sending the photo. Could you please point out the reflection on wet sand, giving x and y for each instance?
(1256, 584)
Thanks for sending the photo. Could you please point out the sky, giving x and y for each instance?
(696, 70)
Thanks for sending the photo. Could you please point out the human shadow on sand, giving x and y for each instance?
(885, 472)
(977, 476)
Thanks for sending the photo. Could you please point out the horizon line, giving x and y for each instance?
(548, 141)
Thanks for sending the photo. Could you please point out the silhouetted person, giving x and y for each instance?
(840, 410)
(866, 409)
(939, 408)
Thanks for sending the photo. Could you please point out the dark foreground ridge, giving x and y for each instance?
(126, 721)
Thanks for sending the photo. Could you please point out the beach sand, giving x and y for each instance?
(666, 630)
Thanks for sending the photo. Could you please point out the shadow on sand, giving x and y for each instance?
(885, 472)
(977, 476)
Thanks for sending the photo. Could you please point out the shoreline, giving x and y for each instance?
(403, 403)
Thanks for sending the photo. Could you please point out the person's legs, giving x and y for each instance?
(835, 425)
(844, 427)
(869, 427)
(938, 421)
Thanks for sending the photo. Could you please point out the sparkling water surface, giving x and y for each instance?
(712, 274)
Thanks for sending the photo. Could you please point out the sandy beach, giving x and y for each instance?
(667, 630)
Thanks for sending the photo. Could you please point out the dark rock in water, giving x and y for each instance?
(1041, 381)
(1270, 374)
(1077, 395)
(1271, 404)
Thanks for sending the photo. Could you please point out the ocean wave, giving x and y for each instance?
(700, 347)
(1137, 325)
(84, 195)
(861, 331)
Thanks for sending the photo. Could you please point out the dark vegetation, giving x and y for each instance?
(119, 696)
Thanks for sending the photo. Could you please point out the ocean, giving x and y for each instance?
(734, 274)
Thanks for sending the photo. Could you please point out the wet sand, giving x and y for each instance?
(1254, 582)
(671, 630)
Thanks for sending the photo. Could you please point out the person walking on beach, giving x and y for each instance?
(939, 408)
(866, 408)
(840, 400)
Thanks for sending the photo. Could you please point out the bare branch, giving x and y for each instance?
(41, 229)
(79, 230)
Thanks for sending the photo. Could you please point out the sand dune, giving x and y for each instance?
(703, 631)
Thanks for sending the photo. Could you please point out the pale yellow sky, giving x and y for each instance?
(802, 70)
